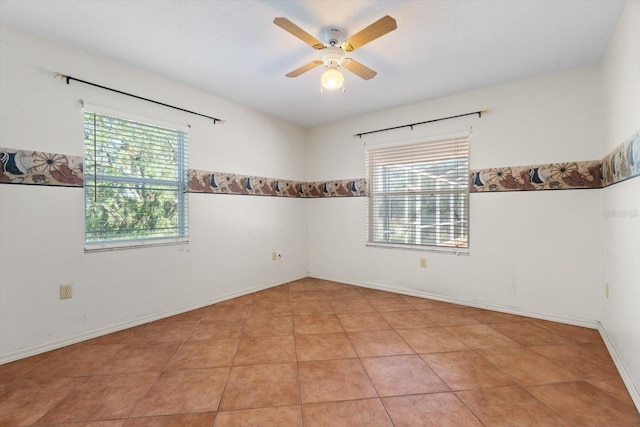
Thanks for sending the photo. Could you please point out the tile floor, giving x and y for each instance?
(318, 353)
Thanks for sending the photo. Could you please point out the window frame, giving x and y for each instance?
(371, 241)
(181, 184)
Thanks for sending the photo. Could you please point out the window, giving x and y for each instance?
(419, 195)
(135, 180)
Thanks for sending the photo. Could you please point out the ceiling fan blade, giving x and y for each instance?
(358, 69)
(304, 68)
(382, 26)
(292, 28)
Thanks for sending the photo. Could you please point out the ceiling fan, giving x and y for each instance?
(333, 53)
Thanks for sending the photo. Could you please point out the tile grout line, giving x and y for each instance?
(235, 353)
(295, 349)
(128, 416)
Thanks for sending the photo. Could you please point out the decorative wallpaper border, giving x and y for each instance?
(623, 162)
(229, 183)
(39, 168)
(553, 176)
(620, 164)
(36, 167)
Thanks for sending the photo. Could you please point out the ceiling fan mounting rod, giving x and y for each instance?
(333, 36)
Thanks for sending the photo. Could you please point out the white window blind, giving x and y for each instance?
(135, 180)
(419, 195)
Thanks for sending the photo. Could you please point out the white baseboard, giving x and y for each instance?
(32, 351)
(587, 323)
(631, 388)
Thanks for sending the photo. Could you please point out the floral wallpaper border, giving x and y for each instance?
(35, 167)
(39, 168)
(620, 164)
(553, 176)
(229, 183)
(623, 162)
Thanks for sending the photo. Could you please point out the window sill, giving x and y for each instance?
(417, 248)
(133, 244)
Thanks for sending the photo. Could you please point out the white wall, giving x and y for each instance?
(531, 252)
(41, 228)
(620, 223)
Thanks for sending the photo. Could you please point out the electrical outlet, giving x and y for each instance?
(423, 263)
(274, 256)
(66, 291)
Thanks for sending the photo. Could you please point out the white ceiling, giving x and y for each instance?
(232, 49)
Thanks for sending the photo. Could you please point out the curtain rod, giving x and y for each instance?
(69, 78)
(411, 125)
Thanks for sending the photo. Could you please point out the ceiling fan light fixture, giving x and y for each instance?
(332, 78)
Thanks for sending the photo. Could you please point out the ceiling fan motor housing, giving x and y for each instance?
(332, 56)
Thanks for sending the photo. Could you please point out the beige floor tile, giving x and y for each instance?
(353, 351)
(165, 332)
(586, 405)
(87, 401)
(333, 380)
(204, 354)
(184, 391)
(13, 370)
(203, 419)
(614, 386)
(268, 326)
(481, 336)
(363, 321)
(345, 293)
(217, 329)
(25, 400)
(410, 319)
(466, 370)
(438, 409)
(526, 367)
(576, 334)
(528, 333)
(431, 340)
(379, 343)
(87, 359)
(260, 350)
(140, 357)
(402, 375)
(256, 386)
(390, 304)
(510, 406)
(352, 306)
(318, 324)
(355, 413)
(450, 317)
(110, 423)
(324, 347)
(261, 417)
(584, 362)
(306, 307)
(269, 308)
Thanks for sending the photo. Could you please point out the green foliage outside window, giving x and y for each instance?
(135, 180)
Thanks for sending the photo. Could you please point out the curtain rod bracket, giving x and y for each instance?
(69, 78)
